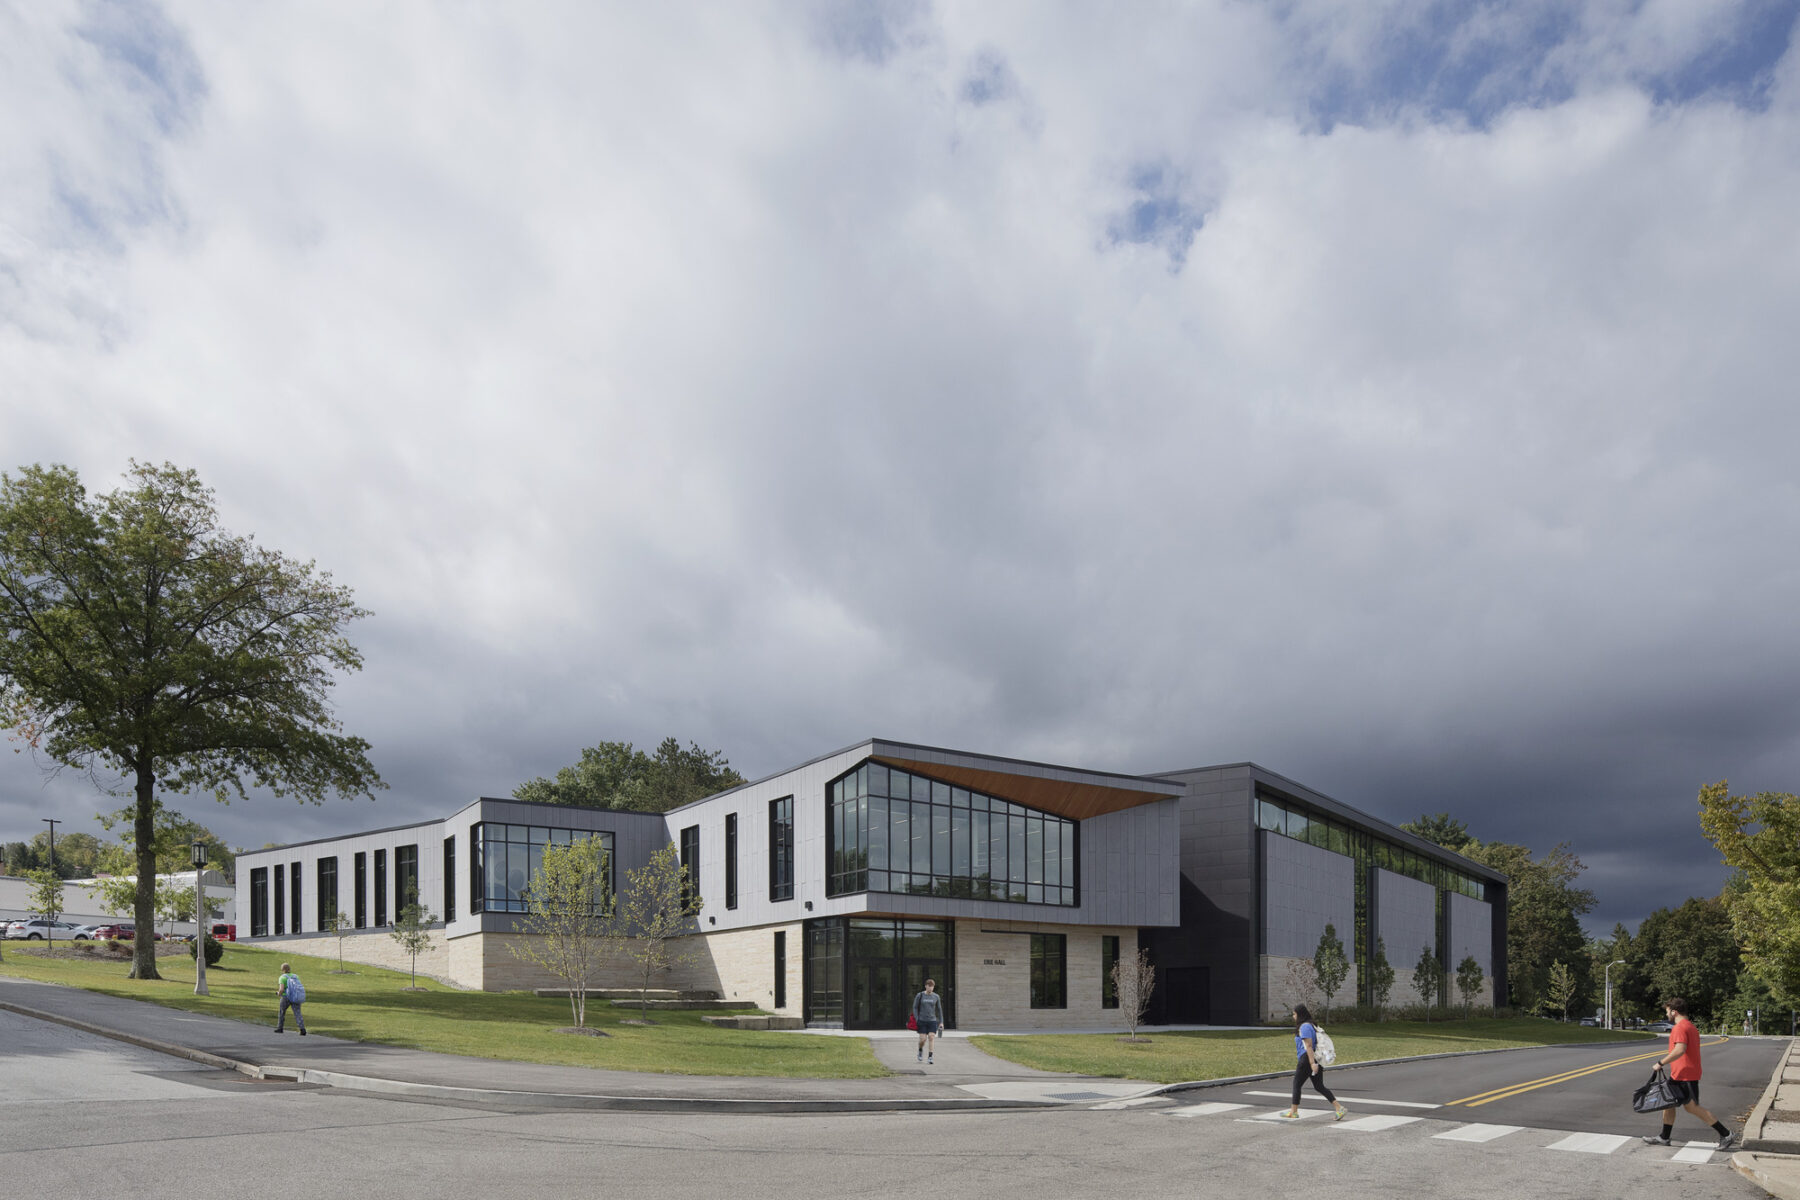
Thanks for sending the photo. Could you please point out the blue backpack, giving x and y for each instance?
(296, 991)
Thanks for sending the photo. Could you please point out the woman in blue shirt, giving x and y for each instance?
(1306, 1064)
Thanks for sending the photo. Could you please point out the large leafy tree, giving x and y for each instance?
(618, 775)
(1759, 836)
(1441, 828)
(1543, 918)
(1689, 951)
(139, 638)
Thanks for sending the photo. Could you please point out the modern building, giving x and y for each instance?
(832, 890)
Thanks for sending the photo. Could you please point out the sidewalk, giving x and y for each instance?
(1771, 1153)
(962, 1078)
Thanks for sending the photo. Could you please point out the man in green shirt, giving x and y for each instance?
(292, 996)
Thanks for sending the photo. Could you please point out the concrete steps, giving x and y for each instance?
(755, 1022)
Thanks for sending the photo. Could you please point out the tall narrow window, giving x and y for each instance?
(259, 902)
(781, 848)
(381, 892)
(362, 890)
(280, 899)
(328, 906)
(294, 904)
(449, 879)
(690, 864)
(1049, 970)
(1109, 961)
(730, 860)
(406, 876)
(781, 968)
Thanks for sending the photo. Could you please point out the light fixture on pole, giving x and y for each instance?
(1617, 962)
(200, 922)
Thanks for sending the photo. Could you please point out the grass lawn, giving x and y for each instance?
(1222, 1054)
(369, 1005)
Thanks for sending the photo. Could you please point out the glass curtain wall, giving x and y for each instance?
(505, 857)
(865, 971)
(895, 831)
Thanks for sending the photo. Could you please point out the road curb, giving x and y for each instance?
(161, 1047)
(1759, 1116)
(1776, 1174)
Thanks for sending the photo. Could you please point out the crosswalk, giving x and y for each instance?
(1559, 1141)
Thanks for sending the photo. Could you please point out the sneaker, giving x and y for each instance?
(1728, 1141)
(303, 1033)
(279, 1029)
(1658, 1140)
(930, 1059)
(1341, 1114)
(1290, 1116)
(921, 1056)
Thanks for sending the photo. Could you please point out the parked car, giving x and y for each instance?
(1659, 1026)
(1592, 1022)
(119, 932)
(223, 931)
(84, 933)
(37, 929)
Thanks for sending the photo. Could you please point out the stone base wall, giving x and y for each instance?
(493, 967)
(374, 949)
(993, 976)
(743, 961)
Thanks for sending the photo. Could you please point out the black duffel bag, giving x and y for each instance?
(1659, 1093)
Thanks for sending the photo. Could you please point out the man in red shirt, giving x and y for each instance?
(1683, 1060)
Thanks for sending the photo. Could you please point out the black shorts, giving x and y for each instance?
(1687, 1091)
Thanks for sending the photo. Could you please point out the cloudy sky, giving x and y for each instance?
(1399, 395)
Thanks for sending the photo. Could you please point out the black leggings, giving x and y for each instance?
(1303, 1072)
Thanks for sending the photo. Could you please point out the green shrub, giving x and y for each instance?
(215, 950)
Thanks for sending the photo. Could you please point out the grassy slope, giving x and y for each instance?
(1221, 1054)
(370, 1005)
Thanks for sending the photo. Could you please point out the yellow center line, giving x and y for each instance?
(1515, 1089)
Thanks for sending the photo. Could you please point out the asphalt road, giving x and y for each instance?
(86, 1117)
(1585, 1088)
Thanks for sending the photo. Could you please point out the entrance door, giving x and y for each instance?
(918, 970)
(1189, 996)
(874, 1002)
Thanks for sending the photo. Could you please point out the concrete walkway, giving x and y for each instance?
(962, 1077)
(1771, 1154)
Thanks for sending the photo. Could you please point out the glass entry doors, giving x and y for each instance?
(885, 964)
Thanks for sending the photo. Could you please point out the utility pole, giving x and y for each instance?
(53, 823)
(1617, 962)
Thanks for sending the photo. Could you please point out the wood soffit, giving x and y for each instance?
(1065, 798)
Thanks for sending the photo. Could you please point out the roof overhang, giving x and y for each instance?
(1064, 791)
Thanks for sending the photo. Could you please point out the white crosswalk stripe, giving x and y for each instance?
(1477, 1133)
(1358, 1100)
(1376, 1123)
(1474, 1133)
(1590, 1143)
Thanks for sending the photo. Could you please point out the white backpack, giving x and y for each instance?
(1324, 1049)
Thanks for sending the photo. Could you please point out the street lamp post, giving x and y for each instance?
(52, 822)
(1617, 962)
(199, 849)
